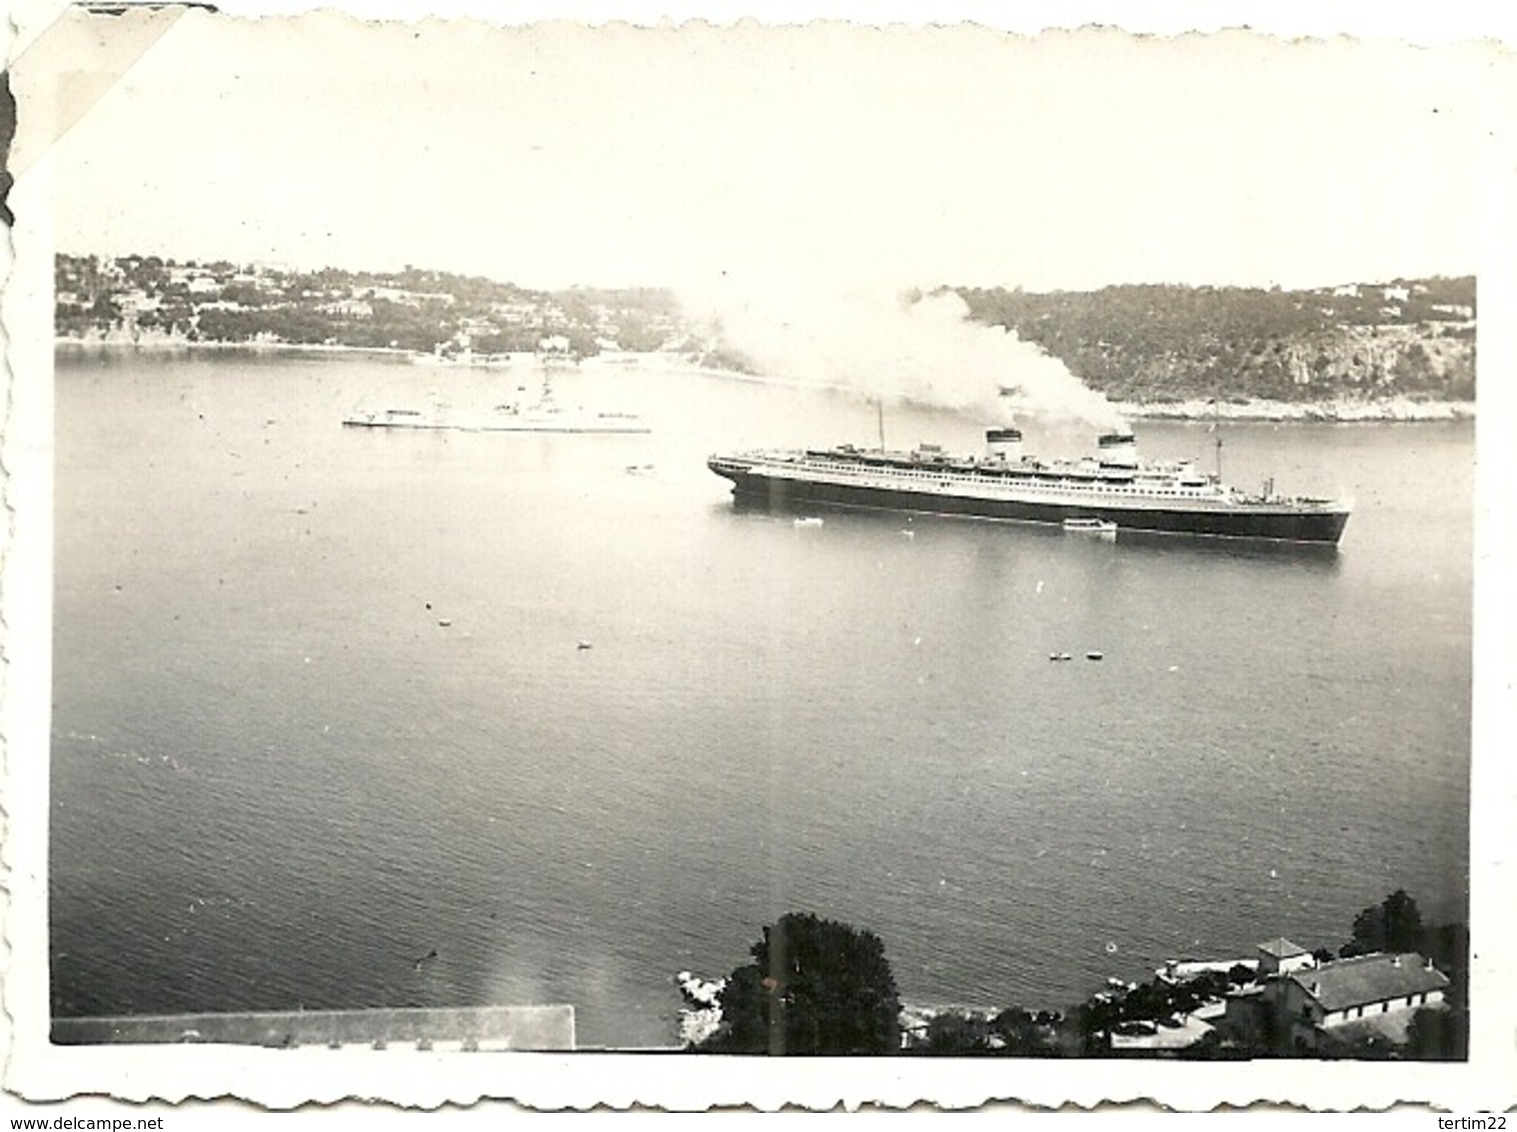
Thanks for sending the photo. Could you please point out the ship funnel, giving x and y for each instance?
(1004, 444)
(1118, 450)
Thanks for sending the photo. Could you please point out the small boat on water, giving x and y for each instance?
(1098, 527)
(809, 521)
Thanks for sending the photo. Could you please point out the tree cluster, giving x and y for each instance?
(815, 986)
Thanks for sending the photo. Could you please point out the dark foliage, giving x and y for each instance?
(1022, 1031)
(1357, 1045)
(1448, 946)
(1395, 924)
(1439, 1035)
(815, 987)
(955, 1035)
(1093, 1022)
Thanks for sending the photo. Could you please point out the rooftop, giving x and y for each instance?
(1190, 1030)
(1283, 948)
(1369, 978)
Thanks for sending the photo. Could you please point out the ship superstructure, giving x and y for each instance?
(545, 414)
(1112, 486)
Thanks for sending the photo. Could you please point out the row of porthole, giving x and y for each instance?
(1044, 487)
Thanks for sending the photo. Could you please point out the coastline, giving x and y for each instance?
(177, 345)
(1395, 410)
(1398, 409)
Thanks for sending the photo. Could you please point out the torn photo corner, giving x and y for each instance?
(685, 562)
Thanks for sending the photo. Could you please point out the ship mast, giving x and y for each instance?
(1216, 427)
(879, 407)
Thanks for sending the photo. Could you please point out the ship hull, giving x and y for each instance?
(1278, 523)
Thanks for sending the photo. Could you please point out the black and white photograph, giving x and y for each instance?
(957, 552)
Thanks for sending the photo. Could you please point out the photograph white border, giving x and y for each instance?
(278, 1079)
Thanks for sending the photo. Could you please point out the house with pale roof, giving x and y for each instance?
(1300, 1004)
(1281, 957)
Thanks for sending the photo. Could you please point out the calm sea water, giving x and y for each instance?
(278, 780)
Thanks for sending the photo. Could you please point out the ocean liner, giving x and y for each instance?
(1113, 486)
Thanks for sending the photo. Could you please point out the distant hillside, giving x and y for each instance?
(1151, 344)
(1403, 342)
(147, 299)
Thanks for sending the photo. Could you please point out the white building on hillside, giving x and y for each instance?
(1300, 1004)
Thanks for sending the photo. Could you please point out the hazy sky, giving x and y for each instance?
(807, 157)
